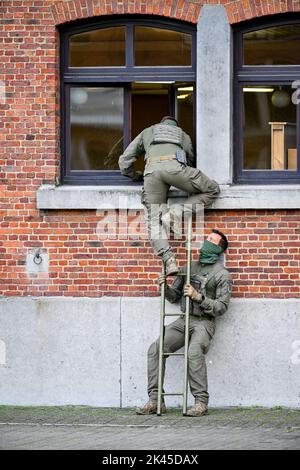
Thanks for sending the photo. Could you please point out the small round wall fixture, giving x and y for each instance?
(37, 258)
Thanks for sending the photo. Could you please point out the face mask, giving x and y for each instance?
(210, 252)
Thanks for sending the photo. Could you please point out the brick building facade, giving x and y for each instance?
(71, 325)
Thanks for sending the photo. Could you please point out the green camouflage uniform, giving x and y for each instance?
(160, 175)
(214, 282)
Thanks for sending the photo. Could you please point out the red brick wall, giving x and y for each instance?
(264, 250)
(188, 10)
(264, 255)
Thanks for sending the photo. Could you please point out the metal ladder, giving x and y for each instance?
(163, 314)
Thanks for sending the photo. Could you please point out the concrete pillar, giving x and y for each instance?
(214, 108)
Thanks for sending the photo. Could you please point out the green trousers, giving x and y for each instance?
(158, 178)
(201, 332)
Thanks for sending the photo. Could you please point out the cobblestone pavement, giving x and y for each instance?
(82, 427)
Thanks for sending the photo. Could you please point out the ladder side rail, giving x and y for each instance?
(187, 316)
(161, 342)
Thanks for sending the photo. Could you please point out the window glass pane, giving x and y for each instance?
(270, 128)
(156, 46)
(153, 97)
(185, 108)
(279, 45)
(98, 48)
(96, 128)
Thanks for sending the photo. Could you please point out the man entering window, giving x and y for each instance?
(169, 162)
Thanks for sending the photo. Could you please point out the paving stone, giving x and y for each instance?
(82, 427)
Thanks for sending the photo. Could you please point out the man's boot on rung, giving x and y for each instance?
(171, 266)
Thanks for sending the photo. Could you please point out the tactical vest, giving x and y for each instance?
(165, 134)
(199, 282)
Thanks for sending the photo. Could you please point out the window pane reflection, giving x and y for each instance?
(185, 108)
(279, 45)
(270, 129)
(98, 48)
(96, 128)
(156, 46)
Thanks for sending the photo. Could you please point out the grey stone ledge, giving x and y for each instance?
(129, 197)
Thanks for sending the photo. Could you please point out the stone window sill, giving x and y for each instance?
(129, 197)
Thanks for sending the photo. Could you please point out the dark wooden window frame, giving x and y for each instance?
(260, 75)
(113, 77)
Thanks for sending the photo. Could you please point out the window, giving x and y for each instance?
(266, 102)
(118, 77)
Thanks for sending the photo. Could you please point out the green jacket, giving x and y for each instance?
(143, 145)
(212, 280)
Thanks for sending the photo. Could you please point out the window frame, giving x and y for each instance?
(260, 75)
(113, 76)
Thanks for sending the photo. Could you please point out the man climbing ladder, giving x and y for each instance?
(169, 162)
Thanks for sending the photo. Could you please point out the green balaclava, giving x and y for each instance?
(210, 252)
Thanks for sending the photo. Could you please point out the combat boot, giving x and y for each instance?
(199, 409)
(171, 266)
(150, 408)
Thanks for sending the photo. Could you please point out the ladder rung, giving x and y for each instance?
(173, 314)
(177, 394)
(178, 274)
(173, 354)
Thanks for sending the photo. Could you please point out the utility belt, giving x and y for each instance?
(180, 156)
(161, 158)
(201, 316)
(195, 309)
